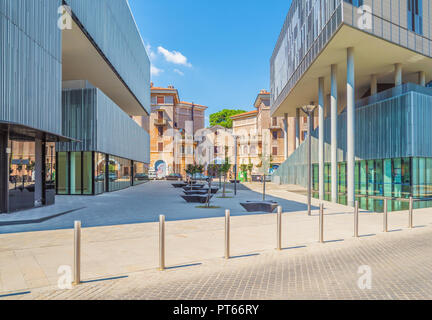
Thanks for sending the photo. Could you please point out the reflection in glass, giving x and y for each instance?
(75, 173)
(119, 174)
(100, 182)
(22, 162)
(140, 173)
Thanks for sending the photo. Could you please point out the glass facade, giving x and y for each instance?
(119, 174)
(22, 171)
(92, 173)
(140, 173)
(398, 178)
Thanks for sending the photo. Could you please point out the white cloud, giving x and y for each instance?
(174, 57)
(178, 72)
(155, 71)
(150, 52)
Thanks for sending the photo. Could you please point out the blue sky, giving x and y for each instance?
(216, 53)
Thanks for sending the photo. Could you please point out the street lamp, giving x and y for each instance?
(309, 110)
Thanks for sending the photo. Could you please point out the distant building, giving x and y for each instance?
(173, 125)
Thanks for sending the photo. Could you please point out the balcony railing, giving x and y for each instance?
(160, 122)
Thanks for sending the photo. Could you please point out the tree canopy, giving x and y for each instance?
(223, 118)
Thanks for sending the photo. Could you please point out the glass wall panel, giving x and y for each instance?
(75, 173)
(371, 178)
(100, 179)
(22, 162)
(363, 178)
(406, 178)
(379, 178)
(62, 173)
(315, 177)
(356, 178)
(140, 173)
(87, 173)
(428, 187)
(415, 177)
(327, 178)
(388, 178)
(397, 178)
(119, 173)
(342, 177)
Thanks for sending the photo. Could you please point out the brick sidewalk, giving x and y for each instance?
(400, 263)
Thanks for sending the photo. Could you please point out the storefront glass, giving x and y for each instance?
(140, 173)
(119, 173)
(22, 161)
(100, 180)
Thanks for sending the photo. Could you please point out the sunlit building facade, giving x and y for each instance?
(70, 100)
(365, 65)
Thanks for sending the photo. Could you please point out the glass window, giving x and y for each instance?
(415, 16)
(100, 179)
(388, 178)
(371, 176)
(363, 177)
(87, 173)
(22, 173)
(356, 3)
(119, 173)
(406, 177)
(140, 173)
(379, 185)
(397, 178)
(62, 173)
(75, 173)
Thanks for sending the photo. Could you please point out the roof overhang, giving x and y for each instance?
(82, 60)
(373, 55)
(25, 132)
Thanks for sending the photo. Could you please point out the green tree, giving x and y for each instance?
(223, 118)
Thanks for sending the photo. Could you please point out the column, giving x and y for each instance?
(321, 136)
(422, 78)
(398, 74)
(350, 126)
(334, 140)
(297, 124)
(286, 135)
(4, 172)
(374, 85)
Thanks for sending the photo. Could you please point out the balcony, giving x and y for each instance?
(160, 122)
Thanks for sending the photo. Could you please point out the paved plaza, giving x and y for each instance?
(399, 260)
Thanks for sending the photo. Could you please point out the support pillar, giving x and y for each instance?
(422, 78)
(350, 125)
(321, 136)
(286, 135)
(398, 74)
(334, 140)
(374, 85)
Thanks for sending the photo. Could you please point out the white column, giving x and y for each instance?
(321, 136)
(297, 124)
(334, 140)
(422, 78)
(350, 126)
(398, 74)
(374, 84)
(286, 135)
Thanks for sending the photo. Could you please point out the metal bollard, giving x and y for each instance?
(161, 242)
(77, 253)
(321, 223)
(385, 216)
(411, 213)
(227, 234)
(279, 228)
(356, 220)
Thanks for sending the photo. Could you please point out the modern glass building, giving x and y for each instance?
(74, 81)
(365, 66)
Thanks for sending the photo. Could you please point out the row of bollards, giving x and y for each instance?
(77, 234)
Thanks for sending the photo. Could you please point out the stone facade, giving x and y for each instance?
(173, 125)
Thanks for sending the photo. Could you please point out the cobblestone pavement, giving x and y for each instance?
(401, 265)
